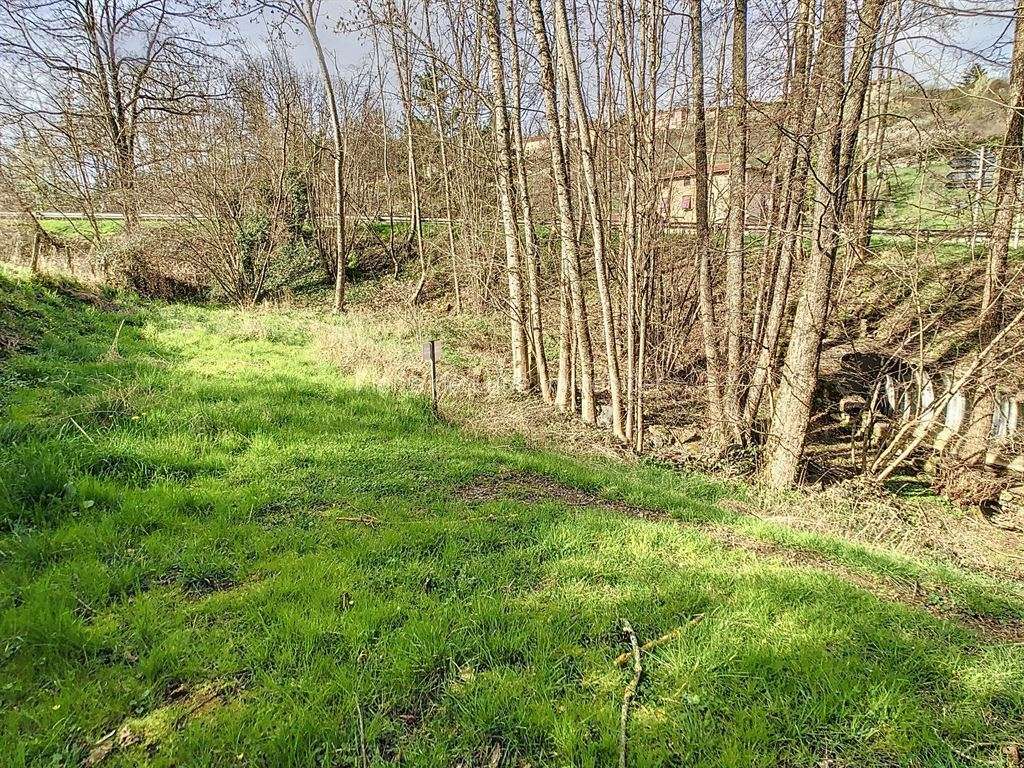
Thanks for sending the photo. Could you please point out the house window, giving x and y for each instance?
(687, 202)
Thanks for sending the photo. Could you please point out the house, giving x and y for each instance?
(678, 187)
(535, 145)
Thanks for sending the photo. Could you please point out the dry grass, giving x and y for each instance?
(379, 343)
(925, 527)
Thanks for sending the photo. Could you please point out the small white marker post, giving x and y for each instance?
(431, 351)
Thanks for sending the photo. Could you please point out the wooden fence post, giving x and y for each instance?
(37, 244)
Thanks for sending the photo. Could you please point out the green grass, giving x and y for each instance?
(919, 198)
(81, 229)
(172, 514)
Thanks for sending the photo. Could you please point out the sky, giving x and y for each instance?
(345, 48)
(937, 56)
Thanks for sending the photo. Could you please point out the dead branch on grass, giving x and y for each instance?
(650, 645)
(630, 693)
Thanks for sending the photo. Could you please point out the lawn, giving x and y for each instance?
(81, 229)
(919, 198)
(216, 550)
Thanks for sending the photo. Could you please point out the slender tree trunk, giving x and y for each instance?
(520, 355)
(567, 58)
(339, 160)
(445, 166)
(789, 217)
(403, 71)
(713, 367)
(736, 225)
(630, 204)
(566, 218)
(531, 249)
(385, 136)
(1008, 178)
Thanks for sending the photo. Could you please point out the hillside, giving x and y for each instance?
(219, 549)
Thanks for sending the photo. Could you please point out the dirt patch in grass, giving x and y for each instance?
(182, 703)
(933, 598)
(538, 488)
(195, 586)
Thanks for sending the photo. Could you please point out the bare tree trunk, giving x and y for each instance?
(1008, 175)
(709, 325)
(445, 167)
(840, 104)
(734, 248)
(630, 239)
(389, 187)
(531, 250)
(520, 355)
(566, 218)
(308, 15)
(403, 71)
(565, 396)
(37, 247)
(789, 216)
(567, 59)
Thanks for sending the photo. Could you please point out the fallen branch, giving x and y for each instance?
(367, 520)
(622, 658)
(79, 426)
(363, 760)
(630, 692)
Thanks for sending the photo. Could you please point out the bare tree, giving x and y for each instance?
(735, 279)
(306, 13)
(117, 64)
(702, 243)
(568, 237)
(1008, 177)
(841, 103)
(516, 306)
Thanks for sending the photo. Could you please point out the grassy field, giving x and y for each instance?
(80, 229)
(216, 550)
(919, 198)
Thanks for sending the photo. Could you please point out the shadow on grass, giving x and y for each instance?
(227, 508)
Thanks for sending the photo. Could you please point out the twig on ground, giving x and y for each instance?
(630, 692)
(365, 520)
(79, 426)
(362, 737)
(622, 658)
(112, 353)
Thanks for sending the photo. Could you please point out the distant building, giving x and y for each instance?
(973, 168)
(678, 186)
